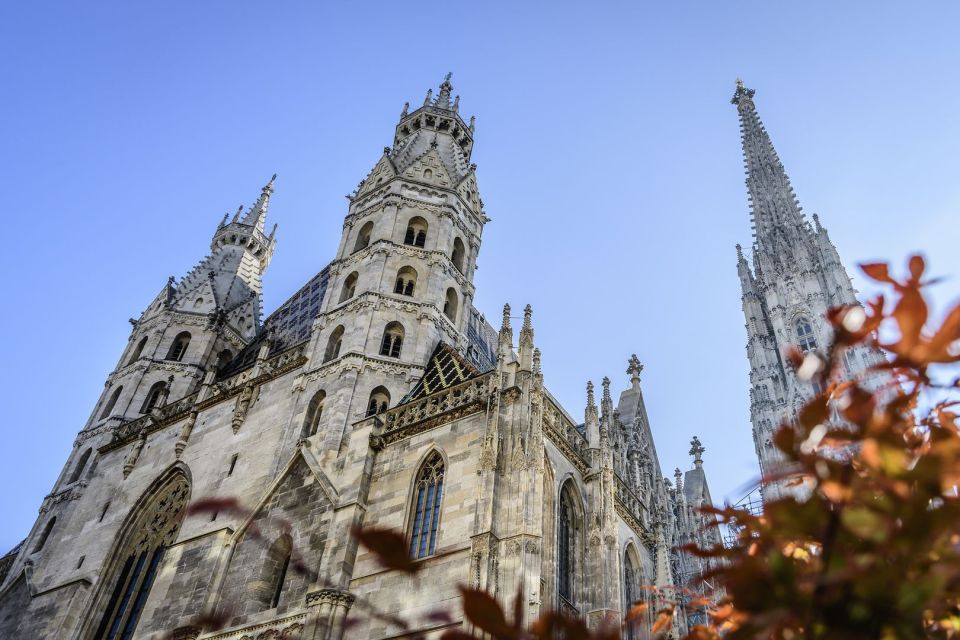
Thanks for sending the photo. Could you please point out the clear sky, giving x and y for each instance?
(609, 161)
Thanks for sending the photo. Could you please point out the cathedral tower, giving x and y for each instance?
(402, 279)
(795, 278)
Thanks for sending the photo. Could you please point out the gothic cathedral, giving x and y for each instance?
(212, 491)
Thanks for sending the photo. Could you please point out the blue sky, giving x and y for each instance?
(608, 153)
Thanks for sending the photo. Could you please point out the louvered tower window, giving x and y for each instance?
(428, 494)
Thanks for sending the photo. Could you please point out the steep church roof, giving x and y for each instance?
(446, 368)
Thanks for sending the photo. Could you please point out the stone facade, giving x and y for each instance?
(285, 433)
(796, 277)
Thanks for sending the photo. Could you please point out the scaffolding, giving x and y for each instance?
(752, 502)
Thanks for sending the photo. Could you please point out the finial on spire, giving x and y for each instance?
(456, 104)
(634, 368)
(527, 319)
(473, 123)
(443, 98)
(606, 391)
(426, 101)
(591, 401)
(740, 257)
(741, 94)
(236, 216)
(678, 476)
(406, 109)
(816, 222)
(257, 215)
(696, 450)
(224, 221)
(506, 318)
(536, 362)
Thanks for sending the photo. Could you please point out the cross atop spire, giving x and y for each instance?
(742, 94)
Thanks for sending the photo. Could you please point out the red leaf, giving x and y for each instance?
(878, 271)
(388, 546)
(485, 613)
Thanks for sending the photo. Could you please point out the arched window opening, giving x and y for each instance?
(42, 540)
(569, 528)
(111, 403)
(179, 346)
(458, 254)
(379, 401)
(224, 358)
(363, 238)
(631, 591)
(406, 281)
(416, 234)
(143, 545)
(427, 174)
(314, 412)
(392, 340)
(805, 338)
(275, 569)
(450, 304)
(138, 350)
(349, 287)
(333, 344)
(153, 397)
(81, 464)
(428, 494)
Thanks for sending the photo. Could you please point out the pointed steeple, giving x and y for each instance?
(743, 269)
(634, 368)
(257, 216)
(773, 204)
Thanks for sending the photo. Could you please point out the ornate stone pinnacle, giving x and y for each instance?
(606, 389)
(505, 325)
(406, 109)
(591, 401)
(456, 104)
(426, 100)
(527, 319)
(739, 252)
(446, 78)
(696, 450)
(742, 94)
(536, 361)
(634, 368)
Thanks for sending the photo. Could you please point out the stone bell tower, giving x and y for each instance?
(795, 278)
(402, 279)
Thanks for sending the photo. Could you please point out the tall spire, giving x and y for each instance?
(257, 216)
(773, 203)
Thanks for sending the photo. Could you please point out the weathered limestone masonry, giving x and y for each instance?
(376, 395)
(796, 277)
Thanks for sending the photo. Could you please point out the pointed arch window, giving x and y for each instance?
(569, 528)
(363, 237)
(333, 344)
(379, 401)
(138, 350)
(143, 546)
(153, 397)
(457, 256)
(392, 341)
(631, 591)
(805, 338)
(179, 346)
(314, 412)
(274, 572)
(406, 281)
(42, 540)
(349, 287)
(111, 403)
(80, 466)
(416, 235)
(427, 497)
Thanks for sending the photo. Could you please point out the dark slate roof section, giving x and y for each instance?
(445, 369)
(482, 341)
(289, 325)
